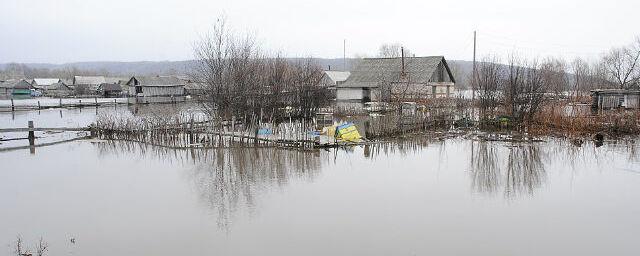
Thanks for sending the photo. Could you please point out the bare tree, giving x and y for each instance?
(622, 65)
(553, 71)
(393, 51)
(241, 81)
(489, 82)
(525, 90)
(41, 247)
(19, 250)
(580, 69)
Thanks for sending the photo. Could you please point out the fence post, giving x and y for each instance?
(31, 135)
(60, 102)
(39, 105)
(13, 107)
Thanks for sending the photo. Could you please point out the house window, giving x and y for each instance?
(620, 101)
(138, 89)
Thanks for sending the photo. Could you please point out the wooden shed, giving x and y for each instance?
(615, 98)
(156, 86)
(110, 90)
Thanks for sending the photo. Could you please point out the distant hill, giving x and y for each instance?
(461, 69)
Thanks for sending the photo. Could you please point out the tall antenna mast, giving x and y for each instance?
(402, 60)
(344, 55)
(473, 82)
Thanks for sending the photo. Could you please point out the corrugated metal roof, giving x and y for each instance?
(116, 79)
(370, 72)
(22, 84)
(110, 87)
(616, 91)
(158, 81)
(58, 86)
(88, 80)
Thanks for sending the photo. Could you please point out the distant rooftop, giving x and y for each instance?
(45, 81)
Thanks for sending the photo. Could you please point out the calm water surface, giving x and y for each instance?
(451, 197)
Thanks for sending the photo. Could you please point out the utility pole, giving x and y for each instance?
(473, 81)
(344, 55)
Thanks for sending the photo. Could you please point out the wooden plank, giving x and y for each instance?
(45, 129)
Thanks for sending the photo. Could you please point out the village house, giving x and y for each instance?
(397, 79)
(153, 86)
(194, 88)
(6, 86)
(330, 79)
(22, 87)
(89, 84)
(58, 89)
(615, 98)
(110, 90)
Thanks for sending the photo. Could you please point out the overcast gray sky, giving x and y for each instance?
(58, 31)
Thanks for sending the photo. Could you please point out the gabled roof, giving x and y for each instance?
(110, 87)
(22, 84)
(88, 80)
(156, 81)
(45, 81)
(370, 72)
(337, 76)
(59, 86)
(616, 91)
(116, 80)
(8, 84)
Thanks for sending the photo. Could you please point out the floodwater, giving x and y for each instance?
(421, 197)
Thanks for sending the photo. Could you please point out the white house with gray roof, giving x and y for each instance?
(407, 79)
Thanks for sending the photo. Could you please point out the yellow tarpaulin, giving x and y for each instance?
(348, 132)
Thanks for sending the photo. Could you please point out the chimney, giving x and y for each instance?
(329, 67)
(402, 59)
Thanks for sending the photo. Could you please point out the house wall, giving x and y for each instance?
(611, 101)
(152, 91)
(422, 91)
(349, 93)
(326, 81)
(441, 74)
(632, 101)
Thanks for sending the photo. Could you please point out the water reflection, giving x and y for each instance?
(485, 170)
(228, 180)
(402, 146)
(522, 172)
(525, 171)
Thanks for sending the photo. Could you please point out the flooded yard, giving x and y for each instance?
(453, 196)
